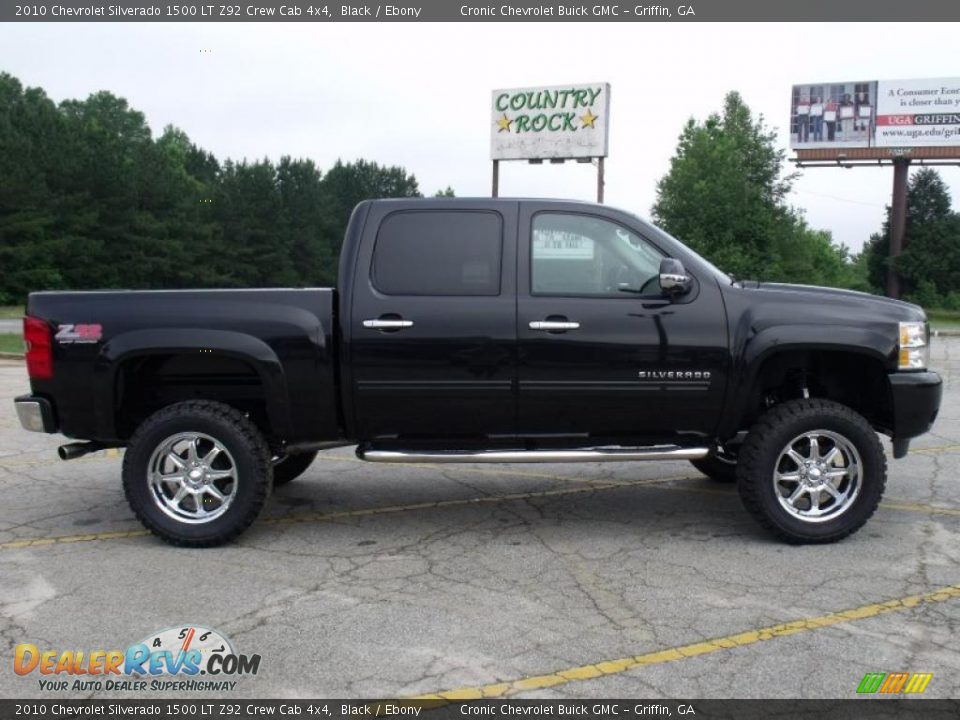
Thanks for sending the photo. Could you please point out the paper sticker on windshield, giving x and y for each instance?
(78, 334)
(561, 246)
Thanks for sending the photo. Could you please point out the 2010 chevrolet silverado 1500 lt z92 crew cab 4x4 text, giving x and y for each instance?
(489, 330)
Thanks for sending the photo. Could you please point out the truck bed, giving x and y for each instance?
(272, 350)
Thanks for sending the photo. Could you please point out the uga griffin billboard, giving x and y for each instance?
(543, 122)
(913, 113)
(876, 113)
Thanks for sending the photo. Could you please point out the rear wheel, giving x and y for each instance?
(812, 471)
(197, 473)
(290, 467)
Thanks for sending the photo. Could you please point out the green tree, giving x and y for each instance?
(725, 196)
(89, 198)
(346, 184)
(929, 264)
(303, 219)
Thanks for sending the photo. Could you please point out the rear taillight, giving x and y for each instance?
(36, 333)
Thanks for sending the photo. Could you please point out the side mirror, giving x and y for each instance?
(673, 277)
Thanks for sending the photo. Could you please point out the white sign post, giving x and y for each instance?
(554, 123)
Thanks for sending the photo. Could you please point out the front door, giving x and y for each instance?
(603, 355)
(433, 322)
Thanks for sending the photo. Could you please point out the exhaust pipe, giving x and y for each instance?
(71, 451)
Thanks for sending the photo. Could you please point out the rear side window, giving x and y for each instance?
(438, 253)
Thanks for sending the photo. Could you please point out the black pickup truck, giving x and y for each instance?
(487, 330)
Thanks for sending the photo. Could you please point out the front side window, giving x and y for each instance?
(438, 253)
(588, 256)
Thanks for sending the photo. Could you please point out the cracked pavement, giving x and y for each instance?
(366, 580)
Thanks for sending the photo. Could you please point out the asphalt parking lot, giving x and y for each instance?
(597, 580)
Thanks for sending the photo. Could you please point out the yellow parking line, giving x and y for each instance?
(586, 486)
(750, 637)
(64, 539)
(108, 453)
(341, 514)
(935, 449)
(892, 504)
(483, 500)
(919, 507)
(889, 505)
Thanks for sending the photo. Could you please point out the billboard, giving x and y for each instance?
(913, 113)
(833, 115)
(544, 122)
(876, 113)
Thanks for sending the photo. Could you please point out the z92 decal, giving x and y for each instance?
(76, 334)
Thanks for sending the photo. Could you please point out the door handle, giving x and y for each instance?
(553, 325)
(388, 324)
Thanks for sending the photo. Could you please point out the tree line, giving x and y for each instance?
(89, 198)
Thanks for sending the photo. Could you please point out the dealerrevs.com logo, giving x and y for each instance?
(187, 658)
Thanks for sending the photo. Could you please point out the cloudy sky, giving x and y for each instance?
(417, 95)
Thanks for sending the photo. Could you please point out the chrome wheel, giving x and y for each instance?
(818, 476)
(192, 477)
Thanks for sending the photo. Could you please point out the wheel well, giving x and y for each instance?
(854, 379)
(148, 383)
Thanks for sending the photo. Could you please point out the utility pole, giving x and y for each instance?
(898, 222)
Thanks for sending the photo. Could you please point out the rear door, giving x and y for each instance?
(433, 321)
(602, 353)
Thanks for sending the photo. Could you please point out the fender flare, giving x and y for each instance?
(166, 341)
(756, 349)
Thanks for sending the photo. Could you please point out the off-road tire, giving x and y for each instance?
(290, 467)
(241, 438)
(716, 468)
(768, 438)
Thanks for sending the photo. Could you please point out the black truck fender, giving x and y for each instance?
(165, 341)
(752, 349)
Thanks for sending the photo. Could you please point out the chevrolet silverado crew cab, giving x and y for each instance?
(496, 331)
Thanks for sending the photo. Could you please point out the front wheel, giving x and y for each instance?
(197, 473)
(811, 471)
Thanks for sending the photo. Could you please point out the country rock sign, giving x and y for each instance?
(550, 122)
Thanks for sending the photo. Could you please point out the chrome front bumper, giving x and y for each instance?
(35, 414)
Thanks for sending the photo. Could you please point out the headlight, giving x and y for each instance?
(914, 350)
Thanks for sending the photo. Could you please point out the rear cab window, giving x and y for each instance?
(438, 253)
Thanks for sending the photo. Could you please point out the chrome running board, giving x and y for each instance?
(610, 453)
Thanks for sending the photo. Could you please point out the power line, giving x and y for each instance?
(841, 199)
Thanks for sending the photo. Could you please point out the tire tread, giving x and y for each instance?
(749, 466)
(250, 434)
